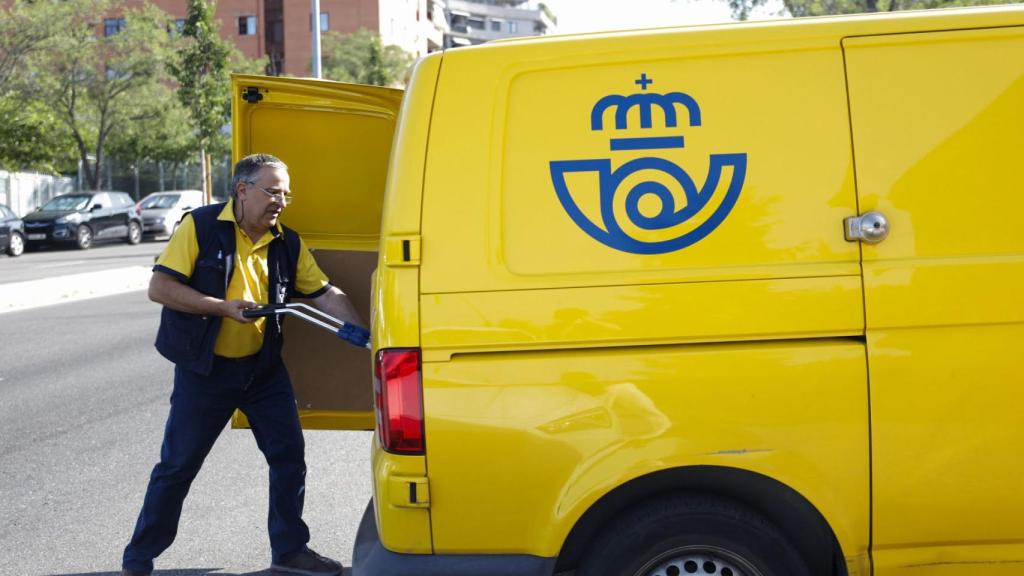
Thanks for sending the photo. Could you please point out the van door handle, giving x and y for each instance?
(870, 228)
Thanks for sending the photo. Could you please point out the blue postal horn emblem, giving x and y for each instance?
(672, 227)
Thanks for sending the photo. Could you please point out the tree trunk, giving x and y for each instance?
(160, 170)
(135, 171)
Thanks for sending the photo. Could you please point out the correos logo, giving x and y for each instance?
(692, 222)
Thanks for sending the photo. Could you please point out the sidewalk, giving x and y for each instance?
(61, 289)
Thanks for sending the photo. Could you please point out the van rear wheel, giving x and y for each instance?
(689, 535)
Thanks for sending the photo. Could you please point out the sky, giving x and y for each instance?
(600, 15)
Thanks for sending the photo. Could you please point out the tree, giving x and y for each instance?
(741, 9)
(31, 136)
(360, 57)
(23, 28)
(204, 84)
(159, 131)
(92, 83)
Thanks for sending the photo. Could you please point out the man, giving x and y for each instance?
(225, 259)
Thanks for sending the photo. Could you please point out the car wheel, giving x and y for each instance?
(686, 535)
(134, 233)
(17, 245)
(83, 237)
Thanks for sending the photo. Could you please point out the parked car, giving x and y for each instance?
(84, 217)
(162, 211)
(12, 232)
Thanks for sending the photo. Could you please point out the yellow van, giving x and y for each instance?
(743, 300)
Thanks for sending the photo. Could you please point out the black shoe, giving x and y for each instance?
(127, 572)
(307, 563)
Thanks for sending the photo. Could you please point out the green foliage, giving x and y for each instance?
(32, 138)
(361, 58)
(203, 75)
(93, 85)
(23, 28)
(741, 9)
(158, 130)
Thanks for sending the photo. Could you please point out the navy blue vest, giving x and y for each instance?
(188, 339)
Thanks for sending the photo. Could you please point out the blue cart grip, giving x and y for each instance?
(355, 335)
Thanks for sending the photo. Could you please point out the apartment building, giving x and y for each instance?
(280, 32)
(478, 21)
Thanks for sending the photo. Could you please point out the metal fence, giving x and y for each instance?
(23, 192)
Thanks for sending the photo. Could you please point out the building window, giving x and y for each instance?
(112, 26)
(325, 22)
(513, 27)
(475, 24)
(246, 25)
(496, 25)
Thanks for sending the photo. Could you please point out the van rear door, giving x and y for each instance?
(336, 140)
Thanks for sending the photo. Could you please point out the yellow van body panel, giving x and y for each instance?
(396, 318)
(542, 436)
(938, 127)
(533, 109)
(640, 315)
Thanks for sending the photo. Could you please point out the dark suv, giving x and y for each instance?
(12, 232)
(82, 217)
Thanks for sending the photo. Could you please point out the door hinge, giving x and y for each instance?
(252, 95)
(402, 251)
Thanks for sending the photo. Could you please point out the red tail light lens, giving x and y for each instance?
(398, 391)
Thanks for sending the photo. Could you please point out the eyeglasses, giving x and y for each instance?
(282, 198)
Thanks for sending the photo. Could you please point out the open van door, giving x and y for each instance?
(336, 140)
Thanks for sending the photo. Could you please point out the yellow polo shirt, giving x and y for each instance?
(249, 281)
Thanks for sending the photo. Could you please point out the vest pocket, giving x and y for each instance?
(186, 334)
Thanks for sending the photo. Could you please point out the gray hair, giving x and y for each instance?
(247, 170)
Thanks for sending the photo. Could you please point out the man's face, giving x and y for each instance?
(258, 205)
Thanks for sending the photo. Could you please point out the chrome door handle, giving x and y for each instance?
(870, 228)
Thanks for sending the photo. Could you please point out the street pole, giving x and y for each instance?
(316, 38)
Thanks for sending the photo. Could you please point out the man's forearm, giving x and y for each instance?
(166, 290)
(337, 304)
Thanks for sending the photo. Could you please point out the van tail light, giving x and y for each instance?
(398, 394)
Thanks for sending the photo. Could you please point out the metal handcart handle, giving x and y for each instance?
(351, 333)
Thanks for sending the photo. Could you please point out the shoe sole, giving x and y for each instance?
(274, 569)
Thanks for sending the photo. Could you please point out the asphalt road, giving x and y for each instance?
(53, 261)
(83, 399)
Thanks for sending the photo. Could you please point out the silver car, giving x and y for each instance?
(162, 211)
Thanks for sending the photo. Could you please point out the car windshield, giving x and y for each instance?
(159, 201)
(74, 202)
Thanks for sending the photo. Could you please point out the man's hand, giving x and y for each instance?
(233, 309)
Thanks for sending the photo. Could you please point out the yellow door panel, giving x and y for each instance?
(582, 423)
(336, 140)
(938, 131)
(661, 159)
(946, 426)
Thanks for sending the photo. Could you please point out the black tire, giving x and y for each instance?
(16, 247)
(691, 535)
(134, 233)
(83, 237)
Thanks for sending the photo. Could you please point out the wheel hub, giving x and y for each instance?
(699, 561)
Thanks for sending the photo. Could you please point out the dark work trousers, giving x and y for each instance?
(200, 408)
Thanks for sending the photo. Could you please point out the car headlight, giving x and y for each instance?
(74, 218)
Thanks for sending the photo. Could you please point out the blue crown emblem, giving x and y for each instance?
(672, 227)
